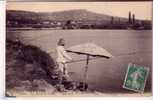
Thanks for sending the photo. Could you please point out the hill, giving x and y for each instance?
(80, 14)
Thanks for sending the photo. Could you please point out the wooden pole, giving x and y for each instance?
(86, 71)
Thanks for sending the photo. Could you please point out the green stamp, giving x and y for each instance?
(136, 77)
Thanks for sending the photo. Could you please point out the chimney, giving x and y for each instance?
(133, 19)
(130, 17)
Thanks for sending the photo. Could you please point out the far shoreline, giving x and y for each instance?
(30, 28)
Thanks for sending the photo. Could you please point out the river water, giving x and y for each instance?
(106, 75)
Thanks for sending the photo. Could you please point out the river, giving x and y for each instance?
(105, 75)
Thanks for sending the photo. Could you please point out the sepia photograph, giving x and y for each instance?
(82, 49)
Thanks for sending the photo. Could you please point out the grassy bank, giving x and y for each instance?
(28, 68)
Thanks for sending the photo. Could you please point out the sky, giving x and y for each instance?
(142, 10)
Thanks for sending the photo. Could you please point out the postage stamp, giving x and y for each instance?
(136, 77)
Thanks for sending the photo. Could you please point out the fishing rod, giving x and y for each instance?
(80, 60)
(96, 57)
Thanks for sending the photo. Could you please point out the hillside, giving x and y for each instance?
(76, 15)
(80, 14)
(20, 15)
(27, 68)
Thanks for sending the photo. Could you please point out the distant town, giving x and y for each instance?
(75, 19)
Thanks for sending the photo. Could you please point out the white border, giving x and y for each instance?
(2, 49)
